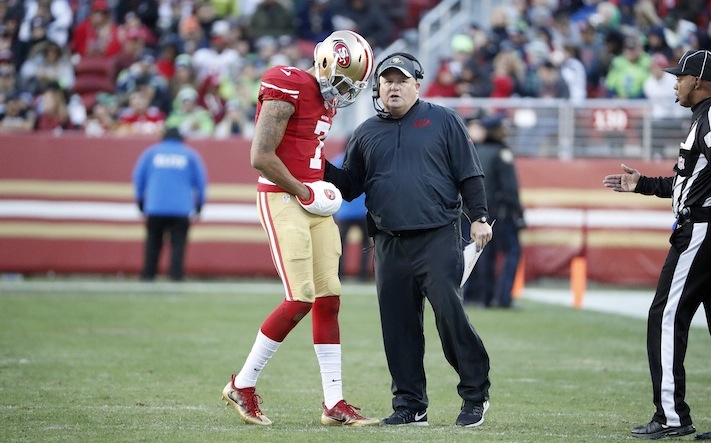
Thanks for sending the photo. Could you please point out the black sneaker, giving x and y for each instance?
(704, 436)
(472, 414)
(404, 416)
(655, 430)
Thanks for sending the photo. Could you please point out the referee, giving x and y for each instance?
(684, 281)
(415, 162)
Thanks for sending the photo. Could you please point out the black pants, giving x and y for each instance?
(409, 269)
(493, 276)
(684, 283)
(480, 289)
(157, 226)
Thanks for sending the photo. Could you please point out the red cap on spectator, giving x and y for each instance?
(660, 60)
(99, 5)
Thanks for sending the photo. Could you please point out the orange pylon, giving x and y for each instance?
(520, 279)
(578, 280)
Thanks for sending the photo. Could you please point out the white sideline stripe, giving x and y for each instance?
(599, 218)
(123, 212)
(247, 213)
(628, 302)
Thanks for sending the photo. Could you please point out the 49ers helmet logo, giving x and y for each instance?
(343, 55)
(329, 194)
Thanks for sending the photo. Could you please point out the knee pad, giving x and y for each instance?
(334, 285)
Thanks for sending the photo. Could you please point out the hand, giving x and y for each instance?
(481, 233)
(194, 216)
(626, 182)
(325, 198)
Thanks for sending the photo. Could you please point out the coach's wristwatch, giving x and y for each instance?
(481, 219)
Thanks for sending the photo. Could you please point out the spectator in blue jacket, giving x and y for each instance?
(170, 181)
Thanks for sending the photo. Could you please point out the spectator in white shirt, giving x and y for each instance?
(668, 121)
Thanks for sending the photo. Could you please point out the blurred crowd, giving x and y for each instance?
(574, 50)
(134, 67)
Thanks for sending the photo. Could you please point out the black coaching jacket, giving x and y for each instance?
(410, 168)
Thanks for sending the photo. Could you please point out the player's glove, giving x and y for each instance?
(325, 198)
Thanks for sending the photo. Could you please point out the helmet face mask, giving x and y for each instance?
(344, 64)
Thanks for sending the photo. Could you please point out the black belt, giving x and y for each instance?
(697, 214)
(409, 233)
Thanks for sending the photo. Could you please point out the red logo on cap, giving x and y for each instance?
(329, 194)
(343, 55)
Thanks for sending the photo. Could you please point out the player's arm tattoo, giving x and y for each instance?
(268, 133)
(271, 125)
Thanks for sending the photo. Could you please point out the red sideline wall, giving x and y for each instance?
(66, 206)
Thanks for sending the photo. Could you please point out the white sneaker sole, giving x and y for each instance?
(480, 422)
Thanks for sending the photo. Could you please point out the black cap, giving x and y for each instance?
(172, 133)
(696, 63)
(404, 64)
(492, 121)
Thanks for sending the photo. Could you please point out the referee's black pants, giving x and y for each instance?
(157, 226)
(409, 269)
(684, 283)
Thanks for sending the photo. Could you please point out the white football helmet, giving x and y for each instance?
(344, 63)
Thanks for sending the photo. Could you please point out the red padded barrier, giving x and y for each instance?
(66, 206)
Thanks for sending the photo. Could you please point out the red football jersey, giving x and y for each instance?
(301, 149)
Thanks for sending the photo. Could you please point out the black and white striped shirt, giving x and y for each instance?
(691, 186)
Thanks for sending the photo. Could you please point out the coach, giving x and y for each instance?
(415, 162)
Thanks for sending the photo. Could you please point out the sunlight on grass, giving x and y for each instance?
(139, 365)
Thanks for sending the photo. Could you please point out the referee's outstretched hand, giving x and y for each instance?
(626, 182)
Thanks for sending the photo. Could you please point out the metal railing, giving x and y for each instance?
(596, 128)
(556, 128)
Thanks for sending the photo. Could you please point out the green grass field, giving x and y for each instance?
(130, 362)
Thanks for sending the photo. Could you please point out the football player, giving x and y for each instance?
(294, 115)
